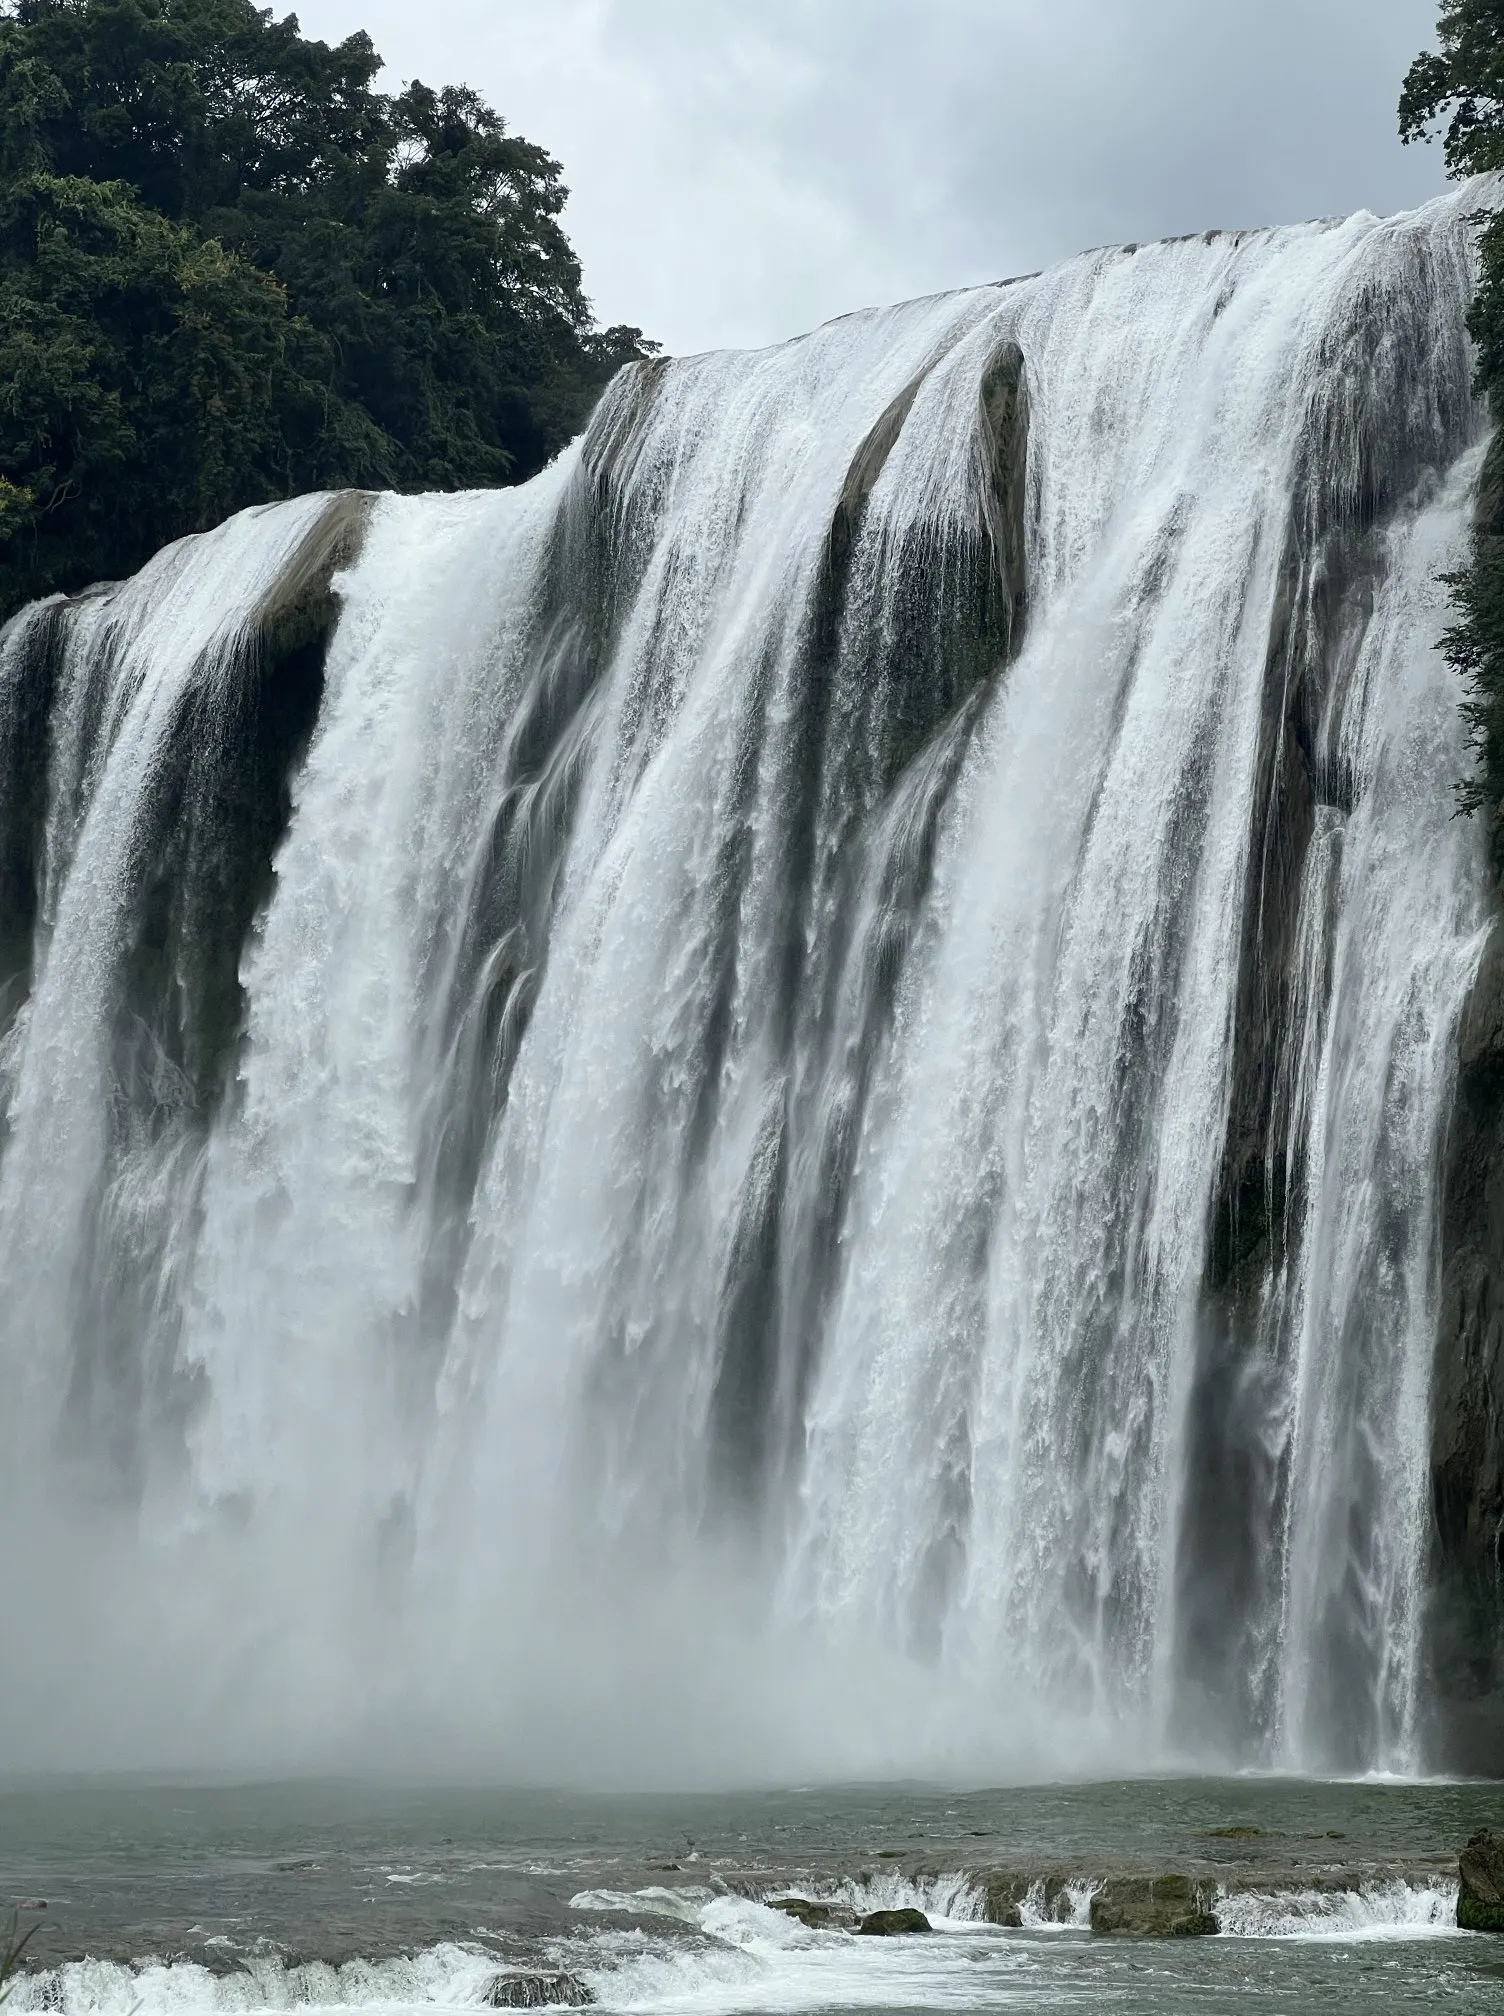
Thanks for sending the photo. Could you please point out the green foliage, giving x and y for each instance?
(232, 270)
(1462, 84)
(140, 371)
(10, 1956)
(1475, 646)
(1465, 78)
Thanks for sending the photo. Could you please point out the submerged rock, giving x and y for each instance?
(1480, 1892)
(817, 1917)
(889, 1924)
(1151, 1907)
(536, 1991)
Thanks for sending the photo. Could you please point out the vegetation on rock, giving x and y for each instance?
(10, 1956)
(232, 270)
(1461, 86)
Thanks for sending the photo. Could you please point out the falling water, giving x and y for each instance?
(795, 1072)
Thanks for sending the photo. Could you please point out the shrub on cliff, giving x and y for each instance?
(231, 269)
(1462, 84)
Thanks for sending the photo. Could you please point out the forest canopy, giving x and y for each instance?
(232, 270)
(1458, 90)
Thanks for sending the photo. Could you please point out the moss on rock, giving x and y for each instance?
(1152, 1907)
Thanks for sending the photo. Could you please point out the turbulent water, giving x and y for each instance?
(772, 1106)
(202, 1901)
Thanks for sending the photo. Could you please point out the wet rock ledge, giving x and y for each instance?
(1480, 1891)
(1164, 1906)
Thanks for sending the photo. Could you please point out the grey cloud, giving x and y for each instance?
(742, 171)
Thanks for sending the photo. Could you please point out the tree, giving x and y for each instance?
(140, 374)
(232, 270)
(1462, 84)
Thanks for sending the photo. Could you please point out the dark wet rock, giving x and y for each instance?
(1480, 1894)
(300, 607)
(1467, 1446)
(1133, 1898)
(1045, 1891)
(1005, 436)
(816, 1916)
(893, 1924)
(536, 1991)
(867, 465)
(1005, 1895)
(1152, 1907)
(1332, 563)
(1466, 1612)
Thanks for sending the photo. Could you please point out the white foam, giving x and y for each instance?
(752, 1958)
(444, 1976)
(1068, 1911)
(946, 1899)
(653, 1901)
(733, 1955)
(730, 1956)
(1394, 1910)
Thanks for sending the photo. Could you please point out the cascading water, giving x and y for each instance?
(776, 1103)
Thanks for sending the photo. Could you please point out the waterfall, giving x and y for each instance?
(775, 1103)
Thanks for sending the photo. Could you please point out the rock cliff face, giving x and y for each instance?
(1328, 597)
(1265, 1252)
(1466, 1625)
(1467, 1622)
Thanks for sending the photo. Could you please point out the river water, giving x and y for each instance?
(194, 1898)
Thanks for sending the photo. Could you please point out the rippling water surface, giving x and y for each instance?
(192, 1899)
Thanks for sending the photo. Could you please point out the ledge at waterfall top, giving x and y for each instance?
(778, 1105)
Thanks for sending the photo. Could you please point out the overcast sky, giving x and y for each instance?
(743, 169)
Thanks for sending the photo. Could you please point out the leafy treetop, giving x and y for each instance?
(1462, 82)
(231, 269)
(1465, 78)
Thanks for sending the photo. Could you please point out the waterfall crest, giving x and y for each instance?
(776, 1103)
